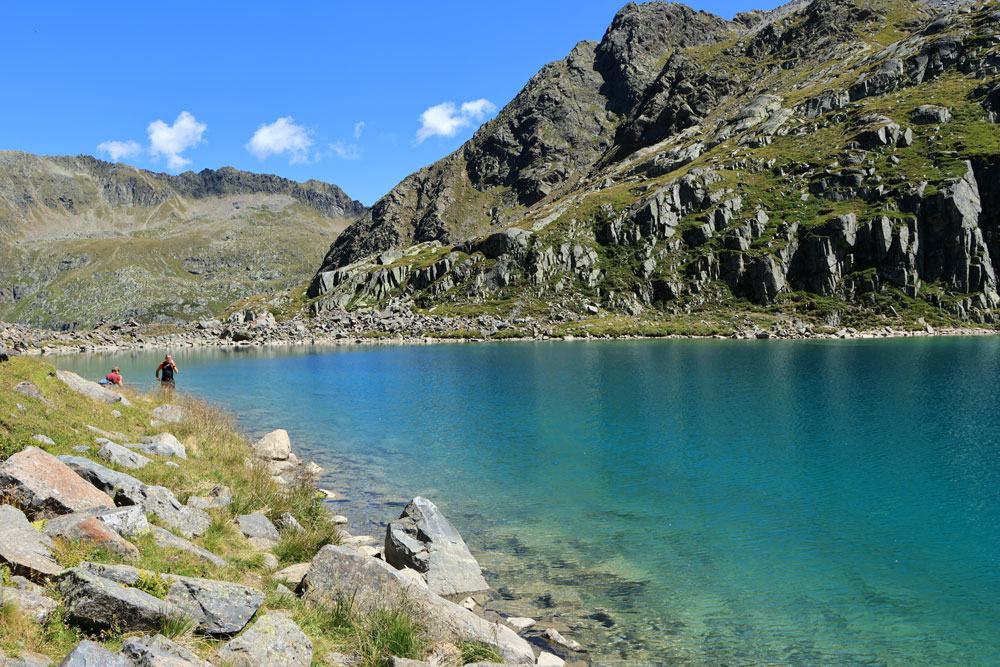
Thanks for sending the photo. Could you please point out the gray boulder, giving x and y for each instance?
(275, 446)
(126, 490)
(340, 574)
(101, 604)
(23, 549)
(273, 640)
(162, 444)
(930, 114)
(219, 497)
(257, 525)
(221, 608)
(164, 538)
(30, 390)
(424, 540)
(158, 651)
(47, 487)
(169, 413)
(43, 439)
(122, 456)
(30, 602)
(92, 654)
(90, 389)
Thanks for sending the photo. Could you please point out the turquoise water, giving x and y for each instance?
(673, 502)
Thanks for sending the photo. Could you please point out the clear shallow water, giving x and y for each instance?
(705, 502)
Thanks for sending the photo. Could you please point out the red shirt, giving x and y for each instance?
(114, 378)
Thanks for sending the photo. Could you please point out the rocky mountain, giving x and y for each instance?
(835, 160)
(83, 240)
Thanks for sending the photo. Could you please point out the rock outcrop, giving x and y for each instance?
(424, 540)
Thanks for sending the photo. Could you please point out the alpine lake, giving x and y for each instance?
(688, 502)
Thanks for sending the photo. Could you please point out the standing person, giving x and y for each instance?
(165, 373)
(115, 376)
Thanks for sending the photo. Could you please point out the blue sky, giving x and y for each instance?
(355, 93)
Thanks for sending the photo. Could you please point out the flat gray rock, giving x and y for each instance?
(257, 525)
(169, 413)
(158, 651)
(43, 439)
(125, 489)
(167, 539)
(100, 604)
(122, 456)
(31, 603)
(222, 608)
(90, 389)
(46, 487)
(107, 435)
(29, 659)
(162, 444)
(424, 540)
(219, 497)
(273, 640)
(25, 550)
(92, 654)
(341, 574)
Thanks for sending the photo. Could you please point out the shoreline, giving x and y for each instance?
(361, 331)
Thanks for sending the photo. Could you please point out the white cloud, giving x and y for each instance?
(445, 120)
(116, 150)
(357, 129)
(281, 136)
(346, 151)
(172, 140)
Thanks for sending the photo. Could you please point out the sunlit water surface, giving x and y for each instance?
(671, 502)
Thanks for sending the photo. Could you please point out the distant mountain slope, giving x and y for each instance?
(836, 160)
(83, 240)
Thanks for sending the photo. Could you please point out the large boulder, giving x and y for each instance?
(273, 640)
(257, 525)
(274, 446)
(424, 540)
(25, 550)
(45, 486)
(221, 608)
(84, 528)
(122, 456)
(341, 575)
(92, 654)
(102, 604)
(90, 389)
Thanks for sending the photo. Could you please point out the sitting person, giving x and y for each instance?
(115, 377)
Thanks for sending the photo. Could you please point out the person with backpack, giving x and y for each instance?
(165, 373)
(115, 377)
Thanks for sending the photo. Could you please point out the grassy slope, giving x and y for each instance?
(218, 454)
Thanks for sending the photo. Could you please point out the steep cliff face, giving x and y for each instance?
(835, 160)
(83, 240)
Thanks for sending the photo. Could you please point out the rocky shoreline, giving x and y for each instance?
(50, 501)
(403, 327)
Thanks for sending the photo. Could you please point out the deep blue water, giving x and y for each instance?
(723, 502)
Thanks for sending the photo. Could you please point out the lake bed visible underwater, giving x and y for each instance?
(670, 502)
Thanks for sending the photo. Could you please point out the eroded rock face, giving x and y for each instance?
(340, 573)
(424, 540)
(46, 486)
(274, 639)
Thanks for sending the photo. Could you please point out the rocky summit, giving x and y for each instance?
(84, 241)
(838, 160)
